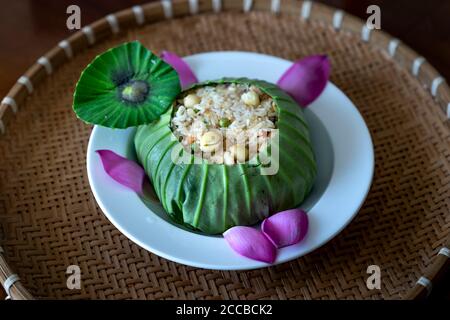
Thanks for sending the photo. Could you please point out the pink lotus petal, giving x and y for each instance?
(187, 76)
(306, 79)
(286, 227)
(124, 171)
(250, 243)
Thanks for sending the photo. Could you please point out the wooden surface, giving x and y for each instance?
(29, 28)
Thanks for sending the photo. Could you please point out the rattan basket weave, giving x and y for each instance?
(50, 220)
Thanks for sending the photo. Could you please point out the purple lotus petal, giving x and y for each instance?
(286, 227)
(306, 78)
(124, 171)
(187, 76)
(250, 243)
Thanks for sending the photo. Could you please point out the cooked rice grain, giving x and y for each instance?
(227, 123)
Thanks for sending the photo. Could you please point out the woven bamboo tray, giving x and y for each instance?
(50, 220)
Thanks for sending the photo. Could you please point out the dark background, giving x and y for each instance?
(29, 28)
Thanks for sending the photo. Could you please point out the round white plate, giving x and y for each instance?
(343, 150)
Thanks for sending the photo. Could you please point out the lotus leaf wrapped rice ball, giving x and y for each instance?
(228, 152)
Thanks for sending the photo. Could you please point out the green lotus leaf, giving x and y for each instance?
(214, 197)
(125, 86)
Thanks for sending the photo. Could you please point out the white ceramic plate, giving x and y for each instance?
(341, 143)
